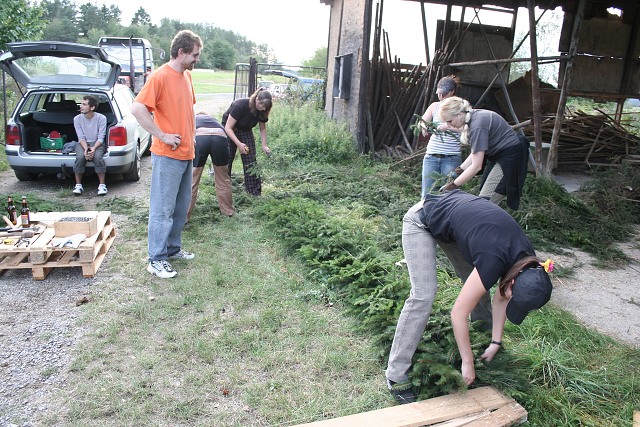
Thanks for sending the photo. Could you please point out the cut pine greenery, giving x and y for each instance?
(287, 313)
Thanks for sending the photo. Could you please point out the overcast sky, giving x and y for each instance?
(294, 29)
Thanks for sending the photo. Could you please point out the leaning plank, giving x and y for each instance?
(475, 405)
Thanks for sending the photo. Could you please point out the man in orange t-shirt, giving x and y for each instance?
(168, 94)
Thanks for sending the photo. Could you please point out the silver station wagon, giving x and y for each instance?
(53, 78)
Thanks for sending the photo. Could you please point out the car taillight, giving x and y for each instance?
(13, 135)
(117, 136)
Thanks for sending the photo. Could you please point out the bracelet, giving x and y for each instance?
(498, 343)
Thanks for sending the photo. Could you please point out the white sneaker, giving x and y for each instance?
(78, 189)
(183, 255)
(102, 190)
(161, 269)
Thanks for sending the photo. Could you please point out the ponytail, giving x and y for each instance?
(451, 107)
(525, 262)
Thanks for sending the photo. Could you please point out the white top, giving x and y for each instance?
(442, 142)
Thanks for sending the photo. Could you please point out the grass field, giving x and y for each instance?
(210, 81)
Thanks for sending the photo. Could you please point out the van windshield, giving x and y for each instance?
(122, 54)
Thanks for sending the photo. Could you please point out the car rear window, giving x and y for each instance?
(70, 70)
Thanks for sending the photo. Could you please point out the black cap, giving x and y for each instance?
(531, 290)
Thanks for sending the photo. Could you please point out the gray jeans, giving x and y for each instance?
(420, 254)
(98, 160)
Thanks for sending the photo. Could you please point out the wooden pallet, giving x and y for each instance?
(41, 258)
(484, 406)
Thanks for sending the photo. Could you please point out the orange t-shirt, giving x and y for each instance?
(169, 95)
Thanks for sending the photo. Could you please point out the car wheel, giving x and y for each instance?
(26, 176)
(147, 151)
(136, 168)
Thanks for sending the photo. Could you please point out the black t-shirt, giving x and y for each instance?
(206, 121)
(487, 236)
(245, 120)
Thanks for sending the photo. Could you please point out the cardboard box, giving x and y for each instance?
(70, 225)
(52, 143)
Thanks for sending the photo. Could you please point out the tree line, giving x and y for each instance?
(64, 20)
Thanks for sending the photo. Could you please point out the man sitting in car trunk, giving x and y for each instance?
(91, 128)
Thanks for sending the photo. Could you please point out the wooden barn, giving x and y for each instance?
(599, 58)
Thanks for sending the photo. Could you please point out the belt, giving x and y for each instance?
(210, 131)
(441, 156)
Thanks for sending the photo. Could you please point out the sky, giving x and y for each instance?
(295, 29)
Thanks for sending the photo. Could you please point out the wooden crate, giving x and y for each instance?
(41, 258)
(483, 406)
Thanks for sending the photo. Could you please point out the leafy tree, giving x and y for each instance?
(548, 31)
(59, 29)
(89, 17)
(263, 53)
(19, 21)
(141, 17)
(111, 13)
(319, 59)
(58, 9)
(222, 55)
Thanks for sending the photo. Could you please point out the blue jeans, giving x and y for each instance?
(169, 199)
(432, 166)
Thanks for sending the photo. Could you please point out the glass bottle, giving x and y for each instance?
(25, 218)
(11, 211)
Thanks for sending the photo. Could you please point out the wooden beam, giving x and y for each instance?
(535, 89)
(425, 34)
(476, 407)
(505, 61)
(573, 47)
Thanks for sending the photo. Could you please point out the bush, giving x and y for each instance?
(305, 134)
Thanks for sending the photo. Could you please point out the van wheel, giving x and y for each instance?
(136, 168)
(26, 176)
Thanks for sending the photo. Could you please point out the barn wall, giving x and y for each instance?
(475, 47)
(606, 39)
(347, 36)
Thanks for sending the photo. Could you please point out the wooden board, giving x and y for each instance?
(484, 406)
(41, 258)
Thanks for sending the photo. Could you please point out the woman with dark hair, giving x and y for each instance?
(490, 136)
(239, 120)
(443, 149)
(485, 245)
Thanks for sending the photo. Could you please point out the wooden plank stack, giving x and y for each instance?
(590, 140)
(41, 257)
(484, 406)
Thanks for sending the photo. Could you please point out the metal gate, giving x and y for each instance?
(283, 81)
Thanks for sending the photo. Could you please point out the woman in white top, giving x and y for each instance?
(443, 149)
